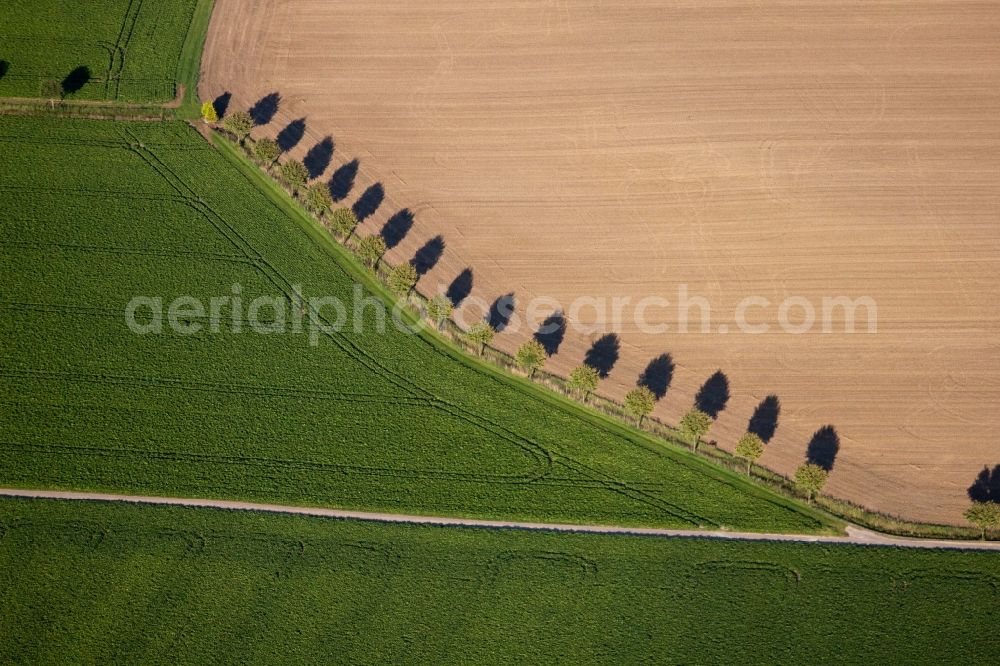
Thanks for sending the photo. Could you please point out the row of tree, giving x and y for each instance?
(316, 197)
(531, 356)
(640, 402)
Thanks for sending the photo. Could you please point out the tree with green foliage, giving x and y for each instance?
(318, 198)
(370, 250)
(481, 334)
(208, 113)
(531, 356)
(343, 222)
(639, 402)
(751, 448)
(239, 125)
(267, 152)
(695, 425)
(584, 380)
(295, 174)
(984, 515)
(402, 278)
(439, 309)
(810, 479)
(51, 90)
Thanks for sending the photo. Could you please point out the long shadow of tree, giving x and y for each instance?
(713, 395)
(986, 487)
(428, 255)
(318, 158)
(4, 66)
(221, 103)
(76, 80)
(501, 312)
(289, 137)
(823, 447)
(265, 109)
(460, 288)
(764, 421)
(343, 180)
(603, 354)
(551, 332)
(396, 227)
(658, 375)
(368, 202)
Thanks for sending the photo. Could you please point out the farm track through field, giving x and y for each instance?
(855, 535)
(114, 74)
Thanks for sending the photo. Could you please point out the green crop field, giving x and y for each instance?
(118, 50)
(87, 583)
(298, 409)
(93, 213)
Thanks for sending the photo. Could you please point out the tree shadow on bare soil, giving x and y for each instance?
(713, 395)
(265, 109)
(551, 332)
(658, 375)
(823, 447)
(318, 158)
(368, 202)
(460, 288)
(764, 421)
(428, 255)
(396, 227)
(986, 487)
(343, 180)
(221, 104)
(289, 137)
(501, 312)
(603, 354)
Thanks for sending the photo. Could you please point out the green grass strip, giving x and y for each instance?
(189, 66)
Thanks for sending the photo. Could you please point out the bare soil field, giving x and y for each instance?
(611, 150)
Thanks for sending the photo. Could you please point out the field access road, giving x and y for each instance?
(855, 535)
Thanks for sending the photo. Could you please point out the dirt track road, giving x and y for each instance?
(855, 535)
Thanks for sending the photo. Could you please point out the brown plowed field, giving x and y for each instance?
(569, 149)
